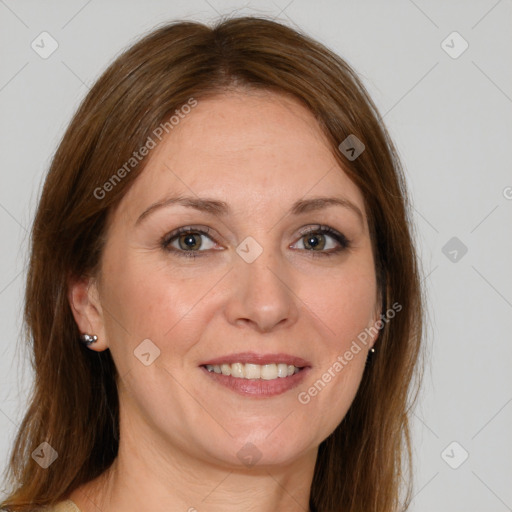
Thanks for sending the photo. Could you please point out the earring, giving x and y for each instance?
(370, 357)
(88, 339)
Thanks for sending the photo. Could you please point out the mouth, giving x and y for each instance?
(260, 375)
(248, 365)
(254, 371)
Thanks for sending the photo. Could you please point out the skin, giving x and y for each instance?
(180, 431)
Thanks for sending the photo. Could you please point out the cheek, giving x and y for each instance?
(147, 300)
(344, 304)
(344, 308)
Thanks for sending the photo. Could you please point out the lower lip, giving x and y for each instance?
(258, 387)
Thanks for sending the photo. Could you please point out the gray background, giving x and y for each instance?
(451, 119)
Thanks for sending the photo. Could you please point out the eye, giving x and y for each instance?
(188, 241)
(322, 240)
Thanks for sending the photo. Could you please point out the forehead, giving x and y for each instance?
(255, 148)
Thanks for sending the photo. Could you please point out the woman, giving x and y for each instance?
(224, 228)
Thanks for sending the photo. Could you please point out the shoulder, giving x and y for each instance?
(61, 506)
(65, 506)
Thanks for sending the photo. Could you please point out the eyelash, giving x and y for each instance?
(319, 229)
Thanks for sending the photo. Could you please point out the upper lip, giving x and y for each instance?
(261, 359)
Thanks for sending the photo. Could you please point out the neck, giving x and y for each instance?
(151, 476)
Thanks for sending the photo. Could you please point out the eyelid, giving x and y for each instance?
(202, 230)
(340, 238)
(314, 228)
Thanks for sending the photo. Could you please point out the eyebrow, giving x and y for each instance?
(221, 208)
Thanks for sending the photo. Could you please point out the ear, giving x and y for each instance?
(84, 299)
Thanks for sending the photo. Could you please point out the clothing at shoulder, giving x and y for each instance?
(63, 506)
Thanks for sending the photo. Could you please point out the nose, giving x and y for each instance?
(261, 295)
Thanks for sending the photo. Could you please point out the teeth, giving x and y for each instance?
(225, 369)
(237, 370)
(282, 370)
(269, 372)
(254, 371)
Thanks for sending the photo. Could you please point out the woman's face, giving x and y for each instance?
(264, 284)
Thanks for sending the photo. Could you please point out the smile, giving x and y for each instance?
(254, 371)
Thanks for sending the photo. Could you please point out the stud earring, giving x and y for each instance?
(88, 339)
(370, 357)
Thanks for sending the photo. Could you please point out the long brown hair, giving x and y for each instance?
(74, 407)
